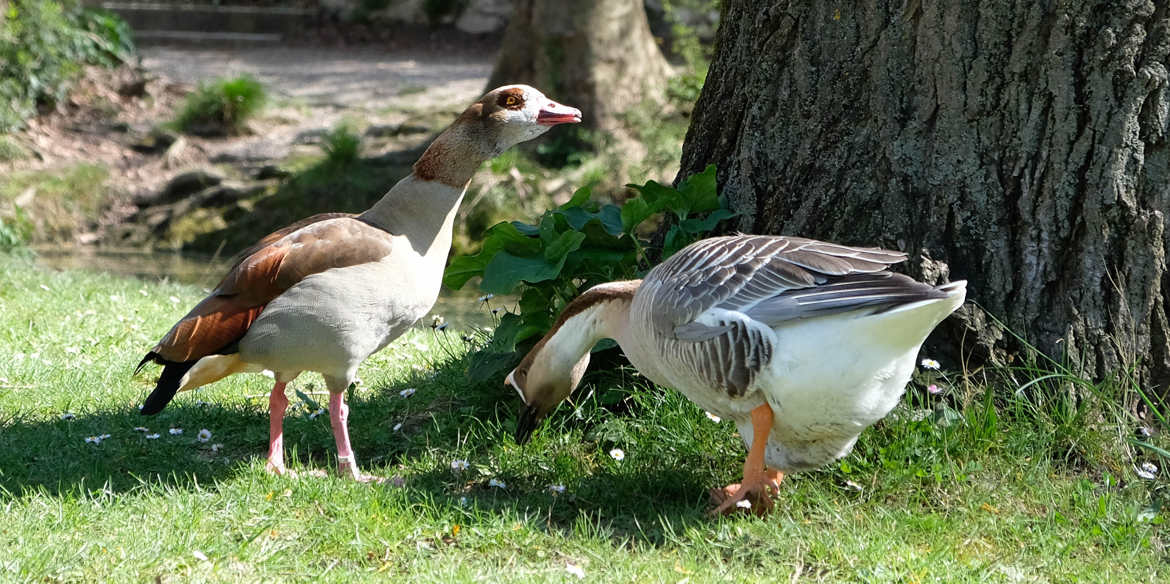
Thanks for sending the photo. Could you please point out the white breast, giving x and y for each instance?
(331, 321)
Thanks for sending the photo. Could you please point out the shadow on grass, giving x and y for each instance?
(448, 418)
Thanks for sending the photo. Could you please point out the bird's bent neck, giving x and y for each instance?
(602, 312)
(422, 206)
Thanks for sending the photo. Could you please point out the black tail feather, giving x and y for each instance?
(151, 356)
(168, 385)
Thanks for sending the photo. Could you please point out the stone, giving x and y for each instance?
(252, 151)
(311, 136)
(270, 171)
(180, 186)
(227, 193)
(158, 140)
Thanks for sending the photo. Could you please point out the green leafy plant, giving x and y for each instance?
(44, 45)
(14, 232)
(221, 107)
(342, 146)
(578, 245)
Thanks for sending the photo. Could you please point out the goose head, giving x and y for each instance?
(517, 113)
(544, 379)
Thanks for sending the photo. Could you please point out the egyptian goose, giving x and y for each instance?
(327, 292)
(802, 343)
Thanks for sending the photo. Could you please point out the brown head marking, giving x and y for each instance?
(511, 98)
(595, 295)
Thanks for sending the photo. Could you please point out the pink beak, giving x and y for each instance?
(554, 113)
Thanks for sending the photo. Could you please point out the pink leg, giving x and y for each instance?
(339, 418)
(277, 403)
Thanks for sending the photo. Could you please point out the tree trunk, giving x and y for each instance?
(597, 56)
(1020, 145)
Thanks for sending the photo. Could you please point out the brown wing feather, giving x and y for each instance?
(288, 256)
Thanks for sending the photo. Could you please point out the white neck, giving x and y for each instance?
(422, 211)
(603, 312)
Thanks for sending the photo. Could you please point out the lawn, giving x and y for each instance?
(1002, 489)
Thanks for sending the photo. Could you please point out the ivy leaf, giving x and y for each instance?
(580, 197)
(634, 212)
(506, 270)
(697, 225)
(611, 218)
(699, 191)
(504, 337)
(499, 237)
(567, 242)
(463, 268)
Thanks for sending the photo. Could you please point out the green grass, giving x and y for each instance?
(985, 492)
(222, 106)
(54, 205)
(11, 150)
(342, 146)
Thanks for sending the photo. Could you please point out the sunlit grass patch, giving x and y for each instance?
(964, 485)
(222, 106)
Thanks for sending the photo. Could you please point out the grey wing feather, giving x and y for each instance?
(730, 358)
(744, 273)
(740, 271)
(843, 294)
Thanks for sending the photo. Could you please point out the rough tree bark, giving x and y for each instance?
(598, 56)
(1021, 145)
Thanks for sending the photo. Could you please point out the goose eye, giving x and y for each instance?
(511, 101)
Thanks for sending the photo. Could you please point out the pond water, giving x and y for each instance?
(462, 309)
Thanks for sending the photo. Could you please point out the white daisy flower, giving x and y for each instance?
(1147, 470)
(313, 416)
(174, 299)
(497, 483)
(713, 417)
(930, 364)
(397, 426)
(437, 321)
(459, 465)
(142, 291)
(45, 288)
(103, 436)
(141, 429)
(617, 454)
(199, 555)
(68, 416)
(151, 436)
(215, 447)
(575, 570)
(93, 440)
(407, 392)
(558, 489)
(176, 431)
(204, 435)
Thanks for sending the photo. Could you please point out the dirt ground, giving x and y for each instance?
(362, 78)
(311, 88)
